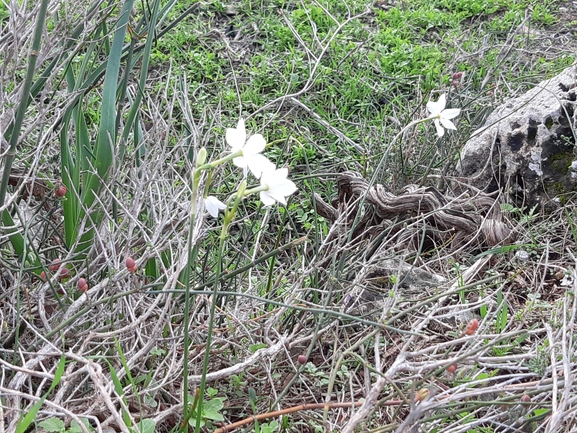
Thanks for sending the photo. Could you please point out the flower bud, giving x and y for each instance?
(64, 274)
(472, 327)
(201, 157)
(55, 265)
(82, 285)
(422, 394)
(130, 264)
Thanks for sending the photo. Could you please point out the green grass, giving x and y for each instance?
(382, 64)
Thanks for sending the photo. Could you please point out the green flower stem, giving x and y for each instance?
(256, 189)
(192, 252)
(228, 218)
(207, 183)
(220, 161)
(230, 211)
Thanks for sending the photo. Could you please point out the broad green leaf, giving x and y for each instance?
(145, 426)
(52, 425)
(75, 427)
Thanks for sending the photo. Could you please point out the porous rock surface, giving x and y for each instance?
(527, 146)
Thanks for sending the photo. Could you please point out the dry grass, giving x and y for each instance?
(379, 368)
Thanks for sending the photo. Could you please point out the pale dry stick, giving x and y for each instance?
(24, 372)
(326, 124)
(244, 365)
(496, 338)
(106, 282)
(337, 366)
(481, 418)
(98, 379)
(300, 340)
(559, 413)
(47, 402)
(296, 342)
(508, 44)
(377, 351)
(30, 175)
(373, 395)
(151, 341)
(309, 52)
(472, 353)
(554, 374)
(136, 324)
(71, 372)
(28, 371)
(13, 404)
(467, 276)
(521, 357)
(400, 361)
(137, 357)
(293, 297)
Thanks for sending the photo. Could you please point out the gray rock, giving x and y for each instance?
(527, 146)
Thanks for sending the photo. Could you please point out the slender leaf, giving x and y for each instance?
(31, 415)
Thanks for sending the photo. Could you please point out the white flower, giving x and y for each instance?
(213, 205)
(441, 116)
(278, 186)
(251, 158)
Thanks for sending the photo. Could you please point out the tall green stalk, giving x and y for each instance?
(15, 129)
(228, 218)
(106, 139)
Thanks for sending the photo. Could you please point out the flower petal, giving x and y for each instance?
(435, 108)
(440, 130)
(442, 101)
(450, 113)
(277, 184)
(266, 199)
(255, 144)
(278, 197)
(286, 188)
(213, 205)
(258, 164)
(236, 137)
(240, 161)
(272, 176)
(447, 123)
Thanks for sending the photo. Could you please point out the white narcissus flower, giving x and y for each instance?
(441, 116)
(278, 186)
(251, 158)
(213, 205)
